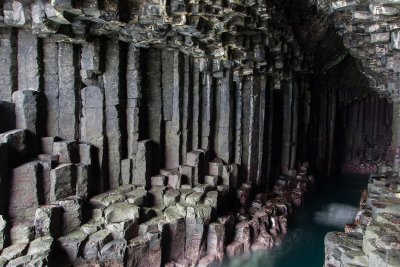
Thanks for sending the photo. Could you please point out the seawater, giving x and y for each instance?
(333, 203)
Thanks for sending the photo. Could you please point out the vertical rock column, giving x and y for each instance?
(152, 103)
(172, 100)
(23, 191)
(223, 146)
(8, 66)
(196, 96)
(206, 109)
(92, 129)
(51, 89)
(113, 112)
(27, 117)
(187, 106)
(134, 95)
(133, 102)
(247, 112)
(68, 91)
(260, 180)
(29, 49)
(287, 125)
(238, 117)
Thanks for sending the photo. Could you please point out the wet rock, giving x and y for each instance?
(235, 248)
(242, 234)
(208, 260)
(175, 238)
(195, 238)
(137, 252)
(216, 239)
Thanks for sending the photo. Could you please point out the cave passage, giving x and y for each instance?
(187, 133)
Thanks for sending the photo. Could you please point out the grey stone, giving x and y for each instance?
(188, 174)
(72, 213)
(22, 231)
(68, 96)
(142, 168)
(126, 171)
(28, 61)
(216, 238)
(120, 212)
(47, 144)
(159, 180)
(16, 145)
(48, 221)
(106, 199)
(92, 129)
(126, 230)
(83, 180)
(14, 251)
(7, 121)
(68, 151)
(24, 196)
(137, 197)
(62, 182)
(41, 245)
(69, 245)
(94, 244)
(114, 251)
(8, 70)
(171, 197)
(3, 232)
(27, 110)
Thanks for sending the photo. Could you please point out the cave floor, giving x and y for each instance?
(332, 204)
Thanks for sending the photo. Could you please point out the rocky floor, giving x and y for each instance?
(374, 239)
(192, 215)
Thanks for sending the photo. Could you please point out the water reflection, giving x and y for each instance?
(333, 205)
(335, 214)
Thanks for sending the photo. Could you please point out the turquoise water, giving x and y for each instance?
(303, 246)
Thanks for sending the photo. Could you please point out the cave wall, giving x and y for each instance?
(136, 115)
(112, 95)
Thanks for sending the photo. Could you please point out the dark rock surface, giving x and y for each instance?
(176, 133)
